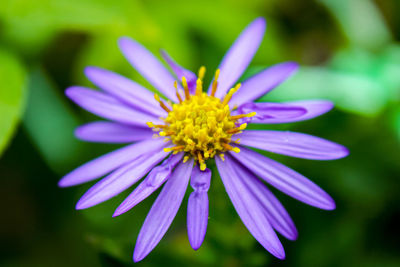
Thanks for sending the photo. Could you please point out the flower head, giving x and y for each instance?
(188, 130)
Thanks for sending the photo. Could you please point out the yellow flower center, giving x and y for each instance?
(201, 125)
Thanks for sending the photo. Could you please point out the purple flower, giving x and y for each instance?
(174, 139)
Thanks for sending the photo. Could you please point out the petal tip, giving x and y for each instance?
(89, 71)
(138, 256)
(345, 152)
(195, 244)
(294, 235)
(80, 206)
(83, 203)
(70, 91)
(195, 247)
(119, 211)
(278, 252)
(261, 21)
(116, 213)
(125, 43)
(329, 204)
(63, 183)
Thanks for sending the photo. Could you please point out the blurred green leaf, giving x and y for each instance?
(351, 92)
(356, 80)
(12, 95)
(361, 21)
(51, 123)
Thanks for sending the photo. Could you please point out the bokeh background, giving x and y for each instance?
(349, 51)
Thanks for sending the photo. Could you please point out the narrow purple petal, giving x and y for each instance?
(120, 180)
(111, 132)
(285, 179)
(181, 72)
(197, 213)
(248, 207)
(314, 108)
(108, 107)
(151, 183)
(125, 90)
(271, 113)
(293, 144)
(263, 82)
(274, 210)
(149, 66)
(109, 162)
(163, 211)
(239, 56)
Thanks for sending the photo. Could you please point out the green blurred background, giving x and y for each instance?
(349, 51)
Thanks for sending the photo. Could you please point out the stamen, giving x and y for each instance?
(185, 159)
(229, 147)
(175, 148)
(185, 86)
(152, 125)
(241, 116)
(162, 105)
(215, 83)
(167, 133)
(229, 95)
(177, 92)
(199, 86)
(238, 129)
(201, 161)
(202, 72)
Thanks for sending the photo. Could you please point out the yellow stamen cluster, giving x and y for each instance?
(201, 124)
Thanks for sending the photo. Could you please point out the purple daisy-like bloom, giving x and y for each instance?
(188, 130)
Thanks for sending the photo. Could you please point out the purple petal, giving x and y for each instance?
(163, 211)
(285, 179)
(314, 108)
(108, 107)
(125, 90)
(153, 181)
(293, 144)
(149, 66)
(248, 207)
(274, 210)
(120, 180)
(111, 132)
(239, 56)
(270, 113)
(197, 214)
(109, 162)
(263, 82)
(181, 72)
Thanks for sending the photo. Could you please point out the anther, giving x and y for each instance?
(177, 92)
(229, 95)
(201, 161)
(202, 71)
(199, 87)
(169, 133)
(162, 105)
(185, 158)
(238, 129)
(215, 83)
(229, 147)
(152, 125)
(185, 86)
(175, 148)
(241, 116)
